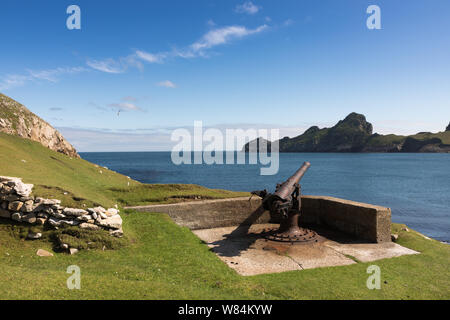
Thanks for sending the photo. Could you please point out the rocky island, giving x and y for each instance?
(355, 134)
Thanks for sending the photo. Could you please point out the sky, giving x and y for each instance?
(137, 70)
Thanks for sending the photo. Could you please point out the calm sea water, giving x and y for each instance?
(415, 186)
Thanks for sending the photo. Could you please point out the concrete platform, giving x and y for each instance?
(243, 249)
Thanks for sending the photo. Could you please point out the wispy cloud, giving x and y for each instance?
(224, 35)
(52, 75)
(124, 106)
(247, 7)
(214, 37)
(108, 65)
(167, 84)
(151, 58)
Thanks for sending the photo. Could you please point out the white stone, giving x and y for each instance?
(74, 212)
(114, 222)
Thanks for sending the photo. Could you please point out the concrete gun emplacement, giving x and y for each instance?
(285, 204)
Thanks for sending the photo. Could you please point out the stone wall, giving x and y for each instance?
(17, 203)
(363, 221)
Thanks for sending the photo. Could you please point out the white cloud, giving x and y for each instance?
(167, 84)
(223, 35)
(51, 75)
(248, 8)
(108, 65)
(150, 57)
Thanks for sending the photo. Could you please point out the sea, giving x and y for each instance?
(415, 186)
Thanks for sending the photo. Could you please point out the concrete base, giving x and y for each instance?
(244, 250)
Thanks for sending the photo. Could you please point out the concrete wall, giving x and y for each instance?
(364, 221)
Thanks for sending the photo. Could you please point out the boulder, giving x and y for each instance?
(44, 253)
(116, 233)
(41, 221)
(54, 222)
(34, 236)
(114, 222)
(73, 251)
(70, 222)
(27, 206)
(394, 237)
(74, 212)
(23, 189)
(111, 212)
(15, 206)
(29, 218)
(16, 216)
(89, 226)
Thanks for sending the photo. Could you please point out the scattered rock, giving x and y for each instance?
(15, 206)
(64, 246)
(114, 222)
(40, 221)
(29, 218)
(34, 236)
(73, 251)
(28, 206)
(405, 229)
(111, 212)
(44, 253)
(116, 233)
(74, 212)
(16, 216)
(89, 226)
(394, 237)
(54, 222)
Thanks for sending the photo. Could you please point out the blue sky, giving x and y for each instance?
(283, 64)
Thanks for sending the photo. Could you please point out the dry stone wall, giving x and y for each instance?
(17, 203)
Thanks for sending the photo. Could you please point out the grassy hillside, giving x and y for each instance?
(160, 260)
(165, 261)
(78, 182)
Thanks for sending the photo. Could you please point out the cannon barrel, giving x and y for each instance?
(285, 190)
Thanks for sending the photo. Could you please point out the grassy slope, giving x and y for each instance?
(55, 174)
(163, 260)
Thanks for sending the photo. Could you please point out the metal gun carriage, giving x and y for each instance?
(285, 204)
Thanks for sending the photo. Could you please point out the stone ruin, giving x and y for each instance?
(17, 203)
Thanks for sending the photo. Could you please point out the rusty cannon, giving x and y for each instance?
(285, 205)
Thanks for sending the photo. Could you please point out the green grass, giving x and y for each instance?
(78, 182)
(165, 261)
(160, 260)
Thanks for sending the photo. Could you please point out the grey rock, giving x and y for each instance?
(16, 216)
(111, 212)
(114, 222)
(15, 205)
(41, 221)
(89, 226)
(73, 251)
(64, 246)
(116, 233)
(29, 218)
(54, 222)
(23, 189)
(27, 206)
(44, 253)
(70, 222)
(394, 237)
(74, 212)
(34, 236)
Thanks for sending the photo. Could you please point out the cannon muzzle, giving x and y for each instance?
(285, 190)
